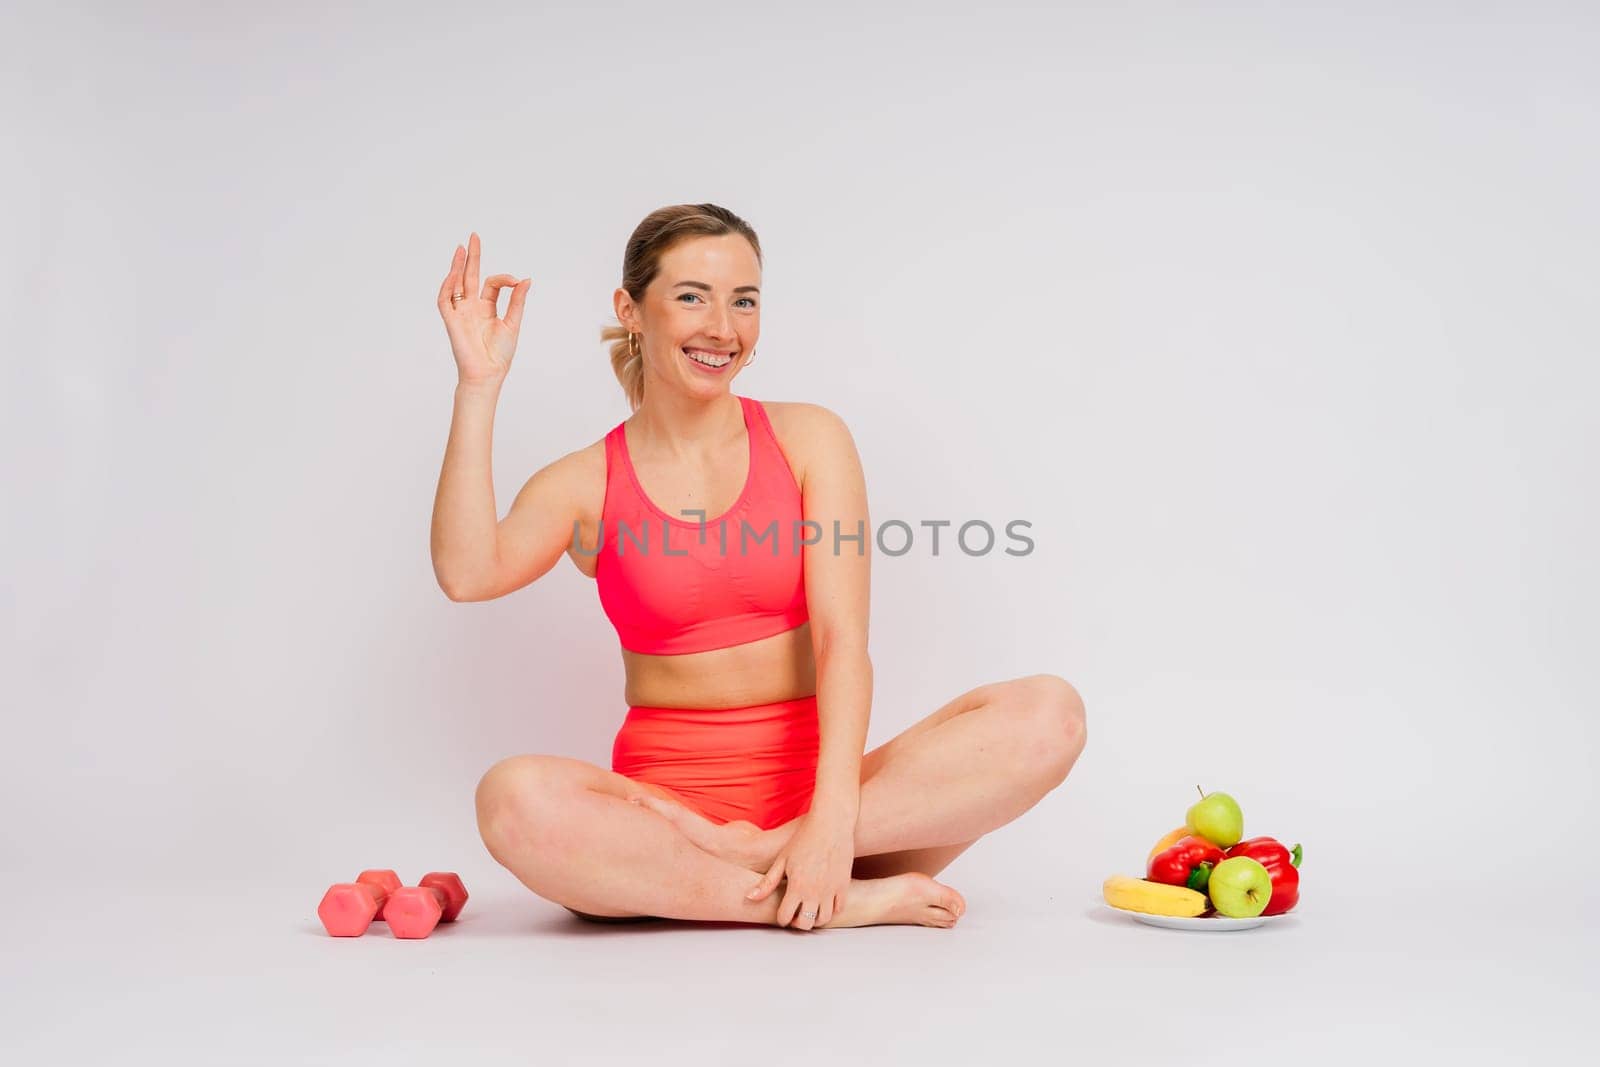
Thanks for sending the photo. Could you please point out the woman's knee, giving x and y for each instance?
(512, 796)
(1056, 712)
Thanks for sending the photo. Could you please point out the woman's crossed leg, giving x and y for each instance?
(566, 828)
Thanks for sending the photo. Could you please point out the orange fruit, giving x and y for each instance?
(1167, 842)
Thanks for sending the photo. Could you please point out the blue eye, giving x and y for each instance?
(742, 299)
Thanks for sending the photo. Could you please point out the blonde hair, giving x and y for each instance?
(653, 238)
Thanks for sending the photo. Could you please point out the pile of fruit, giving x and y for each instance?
(1204, 869)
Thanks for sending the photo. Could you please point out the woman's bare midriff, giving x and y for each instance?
(775, 668)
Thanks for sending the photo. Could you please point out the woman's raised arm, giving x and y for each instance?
(465, 539)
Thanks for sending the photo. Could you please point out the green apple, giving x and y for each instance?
(1217, 818)
(1240, 887)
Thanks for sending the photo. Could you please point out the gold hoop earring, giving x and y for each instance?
(633, 347)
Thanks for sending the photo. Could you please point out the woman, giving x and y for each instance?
(739, 765)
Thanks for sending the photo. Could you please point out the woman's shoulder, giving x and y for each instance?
(809, 434)
(801, 417)
(583, 460)
(805, 423)
(581, 473)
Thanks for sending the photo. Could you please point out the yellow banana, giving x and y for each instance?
(1153, 898)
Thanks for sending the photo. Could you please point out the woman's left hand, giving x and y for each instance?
(817, 861)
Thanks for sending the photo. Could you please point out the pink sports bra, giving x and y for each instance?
(671, 584)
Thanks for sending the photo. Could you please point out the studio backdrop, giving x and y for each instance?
(1275, 348)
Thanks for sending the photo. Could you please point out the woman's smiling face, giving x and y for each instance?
(705, 302)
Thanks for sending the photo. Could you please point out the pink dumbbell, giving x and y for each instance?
(413, 911)
(348, 908)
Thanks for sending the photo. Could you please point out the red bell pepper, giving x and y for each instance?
(1187, 862)
(1284, 869)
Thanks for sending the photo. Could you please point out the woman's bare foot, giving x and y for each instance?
(908, 899)
(739, 841)
(912, 898)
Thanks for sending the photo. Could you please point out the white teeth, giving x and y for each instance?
(710, 361)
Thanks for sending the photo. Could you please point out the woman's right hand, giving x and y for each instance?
(483, 343)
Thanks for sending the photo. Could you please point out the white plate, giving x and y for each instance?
(1198, 922)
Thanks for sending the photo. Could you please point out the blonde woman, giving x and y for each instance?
(730, 544)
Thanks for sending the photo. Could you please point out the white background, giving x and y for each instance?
(1275, 321)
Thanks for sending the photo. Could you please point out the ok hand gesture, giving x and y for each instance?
(483, 343)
